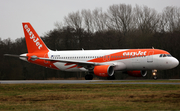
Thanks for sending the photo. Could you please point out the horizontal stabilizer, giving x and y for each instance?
(11, 55)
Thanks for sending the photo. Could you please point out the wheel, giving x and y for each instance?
(89, 77)
(155, 77)
(111, 77)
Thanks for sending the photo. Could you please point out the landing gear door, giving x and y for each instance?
(150, 56)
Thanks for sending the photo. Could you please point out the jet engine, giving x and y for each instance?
(137, 73)
(104, 70)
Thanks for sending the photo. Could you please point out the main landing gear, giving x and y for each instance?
(111, 77)
(154, 73)
(89, 77)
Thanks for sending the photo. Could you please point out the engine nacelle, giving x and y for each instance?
(137, 73)
(104, 70)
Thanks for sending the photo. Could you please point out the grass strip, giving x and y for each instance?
(80, 97)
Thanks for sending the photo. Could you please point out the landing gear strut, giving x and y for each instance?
(154, 73)
(89, 77)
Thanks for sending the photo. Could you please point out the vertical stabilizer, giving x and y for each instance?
(33, 41)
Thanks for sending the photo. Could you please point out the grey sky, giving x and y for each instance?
(42, 14)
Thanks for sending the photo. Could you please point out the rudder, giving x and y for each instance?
(33, 41)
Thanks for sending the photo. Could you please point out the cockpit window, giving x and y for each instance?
(165, 55)
(169, 55)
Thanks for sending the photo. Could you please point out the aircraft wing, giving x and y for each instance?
(79, 63)
(72, 61)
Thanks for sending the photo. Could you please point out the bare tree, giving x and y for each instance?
(146, 19)
(120, 17)
(74, 20)
(99, 20)
(58, 25)
(87, 20)
(171, 19)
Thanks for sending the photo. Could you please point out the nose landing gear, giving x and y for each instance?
(154, 73)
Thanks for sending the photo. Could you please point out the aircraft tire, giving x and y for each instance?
(155, 77)
(111, 77)
(88, 77)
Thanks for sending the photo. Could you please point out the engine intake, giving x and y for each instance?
(104, 70)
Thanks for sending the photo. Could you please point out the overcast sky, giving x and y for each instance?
(42, 14)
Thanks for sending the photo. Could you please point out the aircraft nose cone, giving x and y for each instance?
(175, 62)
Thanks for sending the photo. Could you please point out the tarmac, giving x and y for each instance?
(84, 82)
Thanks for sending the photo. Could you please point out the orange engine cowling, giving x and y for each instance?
(137, 73)
(104, 70)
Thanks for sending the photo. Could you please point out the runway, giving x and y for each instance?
(87, 82)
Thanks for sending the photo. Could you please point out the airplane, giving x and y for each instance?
(103, 63)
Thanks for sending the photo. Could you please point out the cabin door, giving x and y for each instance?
(150, 56)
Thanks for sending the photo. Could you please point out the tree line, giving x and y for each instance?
(121, 26)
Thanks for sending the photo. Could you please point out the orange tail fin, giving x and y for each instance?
(33, 41)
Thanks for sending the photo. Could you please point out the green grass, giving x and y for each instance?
(78, 97)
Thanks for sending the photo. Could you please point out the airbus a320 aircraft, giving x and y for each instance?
(104, 63)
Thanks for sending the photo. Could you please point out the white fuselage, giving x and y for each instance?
(137, 61)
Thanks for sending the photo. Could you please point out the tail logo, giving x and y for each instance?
(35, 40)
